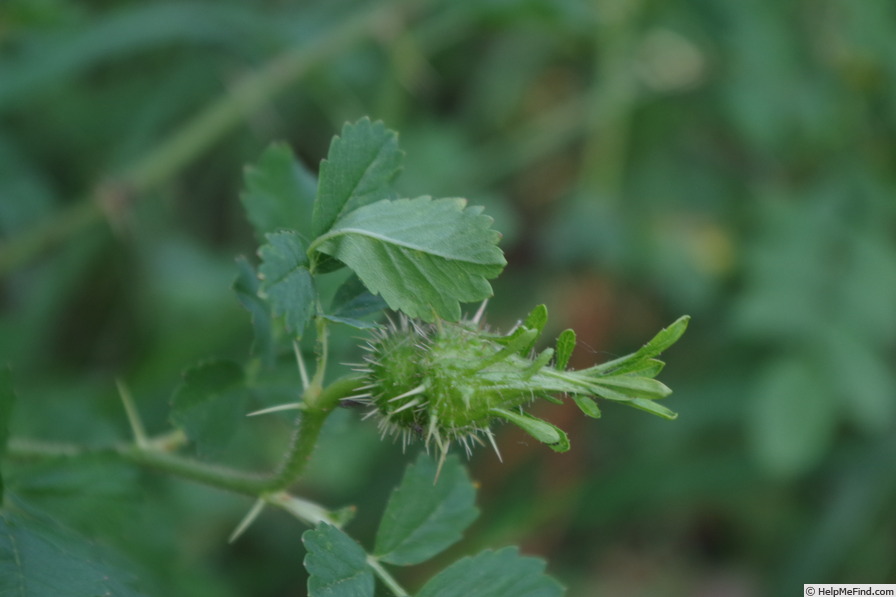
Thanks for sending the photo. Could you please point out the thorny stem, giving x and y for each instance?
(307, 430)
(317, 403)
(313, 391)
(155, 454)
(151, 457)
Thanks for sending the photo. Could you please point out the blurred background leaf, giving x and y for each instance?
(643, 159)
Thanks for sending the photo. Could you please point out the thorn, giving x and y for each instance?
(278, 408)
(410, 404)
(432, 431)
(442, 458)
(130, 410)
(465, 442)
(303, 373)
(479, 312)
(412, 392)
(491, 439)
(247, 520)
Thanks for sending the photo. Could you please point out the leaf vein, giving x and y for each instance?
(404, 244)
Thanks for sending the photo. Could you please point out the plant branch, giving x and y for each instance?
(196, 136)
(154, 455)
(194, 470)
(307, 429)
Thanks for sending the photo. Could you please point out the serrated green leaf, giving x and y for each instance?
(423, 256)
(286, 281)
(541, 430)
(361, 163)
(566, 343)
(39, 558)
(7, 402)
(279, 192)
(426, 515)
(502, 573)
(336, 565)
(353, 301)
(587, 405)
(246, 286)
(209, 404)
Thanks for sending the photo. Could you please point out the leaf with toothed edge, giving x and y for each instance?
(426, 515)
(246, 286)
(209, 404)
(502, 573)
(361, 163)
(418, 268)
(286, 280)
(278, 192)
(336, 565)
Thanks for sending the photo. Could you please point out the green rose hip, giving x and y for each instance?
(449, 382)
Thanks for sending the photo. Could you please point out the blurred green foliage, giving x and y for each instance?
(643, 158)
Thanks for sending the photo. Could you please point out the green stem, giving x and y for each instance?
(154, 455)
(307, 430)
(200, 472)
(197, 135)
(308, 512)
(387, 578)
(313, 391)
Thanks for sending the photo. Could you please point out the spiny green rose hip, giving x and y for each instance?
(423, 380)
(446, 382)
